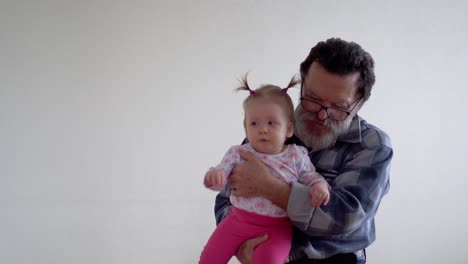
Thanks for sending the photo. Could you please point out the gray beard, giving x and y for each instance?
(325, 140)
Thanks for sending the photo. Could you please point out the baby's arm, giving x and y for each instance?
(319, 193)
(215, 180)
(319, 189)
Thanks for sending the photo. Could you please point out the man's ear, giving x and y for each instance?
(359, 106)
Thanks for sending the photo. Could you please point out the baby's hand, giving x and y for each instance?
(319, 193)
(215, 180)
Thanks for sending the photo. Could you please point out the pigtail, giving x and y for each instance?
(293, 82)
(244, 85)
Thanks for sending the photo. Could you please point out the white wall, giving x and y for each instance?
(111, 111)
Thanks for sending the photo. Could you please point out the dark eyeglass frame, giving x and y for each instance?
(348, 112)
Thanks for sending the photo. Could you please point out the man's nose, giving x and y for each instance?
(322, 114)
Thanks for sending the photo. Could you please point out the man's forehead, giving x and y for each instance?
(329, 86)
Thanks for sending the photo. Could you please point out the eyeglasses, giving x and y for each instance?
(334, 113)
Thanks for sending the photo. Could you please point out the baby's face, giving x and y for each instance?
(266, 126)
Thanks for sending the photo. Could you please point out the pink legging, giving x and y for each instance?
(241, 225)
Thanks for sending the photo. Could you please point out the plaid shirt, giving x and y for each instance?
(357, 168)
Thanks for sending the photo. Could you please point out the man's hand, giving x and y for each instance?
(245, 251)
(249, 178)
(319, 194)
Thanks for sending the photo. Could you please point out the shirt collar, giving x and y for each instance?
(354, 132)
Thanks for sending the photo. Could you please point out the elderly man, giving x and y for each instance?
(353, 156)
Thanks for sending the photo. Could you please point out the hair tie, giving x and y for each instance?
(294, 81)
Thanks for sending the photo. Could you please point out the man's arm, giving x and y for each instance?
(222, 204)
(253, 178)
(278, 192)
(355, 195)
(354, 198)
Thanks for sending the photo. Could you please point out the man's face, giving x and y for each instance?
(318, 130)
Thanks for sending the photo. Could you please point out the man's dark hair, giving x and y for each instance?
(341, 57)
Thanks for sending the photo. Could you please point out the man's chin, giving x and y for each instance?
(320, 135)
(316, 133)
(316, 139)
(318, 145)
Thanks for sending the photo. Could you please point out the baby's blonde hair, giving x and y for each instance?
(272, 93)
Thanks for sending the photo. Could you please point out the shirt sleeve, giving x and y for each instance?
(230, 159)
(306, 170)
(355, 194)
(222, 203)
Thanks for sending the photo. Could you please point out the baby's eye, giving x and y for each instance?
(270, 123)
(253, 123)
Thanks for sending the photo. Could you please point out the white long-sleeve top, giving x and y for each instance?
(292, 164)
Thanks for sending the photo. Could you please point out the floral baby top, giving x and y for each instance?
(293, 164)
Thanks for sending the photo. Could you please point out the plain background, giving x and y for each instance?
(111, 112)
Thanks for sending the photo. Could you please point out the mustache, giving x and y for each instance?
(333, 124)
(336, 127)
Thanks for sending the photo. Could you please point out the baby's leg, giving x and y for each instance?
(223, 243)
(276, 249)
